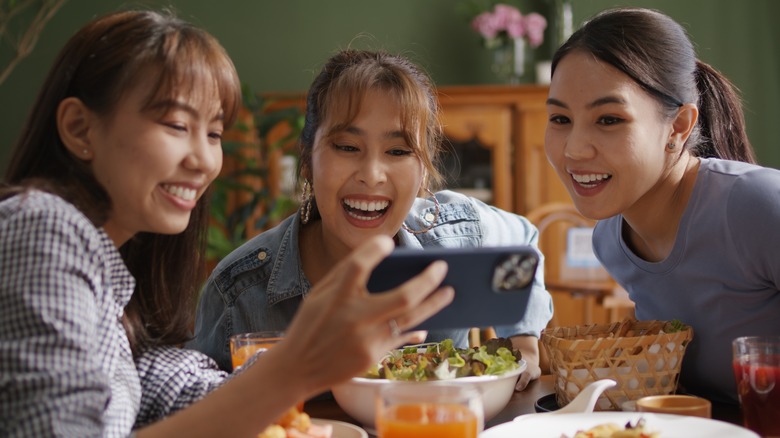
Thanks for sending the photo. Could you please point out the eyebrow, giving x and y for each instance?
(170, 104)
(389, 134)
(598, 102)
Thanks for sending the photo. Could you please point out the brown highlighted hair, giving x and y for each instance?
(99, 64)
(655, 51)
(337, 91)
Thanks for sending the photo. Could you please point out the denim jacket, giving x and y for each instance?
(260, 285)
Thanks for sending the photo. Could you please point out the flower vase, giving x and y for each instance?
(512, 62)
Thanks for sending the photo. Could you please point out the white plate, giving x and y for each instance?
(669, 426)
(342, 429)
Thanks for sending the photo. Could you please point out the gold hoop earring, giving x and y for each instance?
(432, 220)
(307, 197)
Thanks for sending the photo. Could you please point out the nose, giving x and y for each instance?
(372, 171)
(204, 157)
(579, 145)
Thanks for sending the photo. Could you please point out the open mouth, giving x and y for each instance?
(590, 180)
(365, 210)
(184, 193)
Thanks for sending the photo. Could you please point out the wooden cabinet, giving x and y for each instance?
(510, 122)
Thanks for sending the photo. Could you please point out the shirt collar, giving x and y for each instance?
(122, 281)
(287, 278)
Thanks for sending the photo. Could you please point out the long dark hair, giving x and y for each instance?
(103, 60)
(347, 76)
(655, 51)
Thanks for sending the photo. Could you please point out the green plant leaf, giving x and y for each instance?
(228, 229)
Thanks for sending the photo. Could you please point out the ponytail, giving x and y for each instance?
(721, 123)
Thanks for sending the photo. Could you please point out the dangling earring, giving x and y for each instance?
(307, 197)
(432, 218)
(670, 145)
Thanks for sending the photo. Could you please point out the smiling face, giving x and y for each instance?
(155, 164)
(365, 177)
(606, 137)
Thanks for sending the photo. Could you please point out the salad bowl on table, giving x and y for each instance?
(357, 396)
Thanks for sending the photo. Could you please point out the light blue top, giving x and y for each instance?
(722, 276)
(260, 285)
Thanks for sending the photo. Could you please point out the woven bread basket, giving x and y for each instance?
(644, 357)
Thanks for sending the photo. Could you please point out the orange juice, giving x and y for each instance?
(426, 420)
(241, 354)
(245, 345)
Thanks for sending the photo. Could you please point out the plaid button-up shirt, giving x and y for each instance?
(66, 368)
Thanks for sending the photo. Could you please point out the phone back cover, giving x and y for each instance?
(471, 273)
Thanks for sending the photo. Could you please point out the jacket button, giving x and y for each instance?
(262, 255)
(429, 217)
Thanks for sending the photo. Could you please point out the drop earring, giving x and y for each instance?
(307, 197)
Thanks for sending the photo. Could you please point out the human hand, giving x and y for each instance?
(529, 348)
(340, 330)
(532, 372)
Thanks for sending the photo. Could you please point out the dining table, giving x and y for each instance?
(521, 403)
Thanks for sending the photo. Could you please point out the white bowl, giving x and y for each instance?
(357, 395)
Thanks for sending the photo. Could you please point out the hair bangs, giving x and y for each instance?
(343, 99)
(197, 67)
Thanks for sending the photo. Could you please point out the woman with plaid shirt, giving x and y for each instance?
(101, 237)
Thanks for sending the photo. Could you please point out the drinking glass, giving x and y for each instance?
(245, 345)
(757, 371)
(408, 410)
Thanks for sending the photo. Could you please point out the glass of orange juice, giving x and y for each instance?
(408, 410)
(245, 345)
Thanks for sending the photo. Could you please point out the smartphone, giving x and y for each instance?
(492, 284)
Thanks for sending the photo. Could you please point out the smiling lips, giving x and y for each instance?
(184, 193)
(365, 210)
(590, 180)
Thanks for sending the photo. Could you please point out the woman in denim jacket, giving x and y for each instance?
(368, 150)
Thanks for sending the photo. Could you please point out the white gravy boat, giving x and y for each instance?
(585, 401)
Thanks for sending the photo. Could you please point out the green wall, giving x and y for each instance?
(278, 45)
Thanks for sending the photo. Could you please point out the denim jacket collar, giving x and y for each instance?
(287, 279)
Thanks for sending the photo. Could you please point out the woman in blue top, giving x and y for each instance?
(651, 141)
(368, 150)
(102, 231)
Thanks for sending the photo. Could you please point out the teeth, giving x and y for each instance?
(593, 177)
(365, 205)
(181, 192)
(357, 216)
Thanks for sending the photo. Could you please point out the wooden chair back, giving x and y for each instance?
(601, 298)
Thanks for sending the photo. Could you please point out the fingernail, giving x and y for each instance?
(448, 293)
(440, 267)
(418, 338)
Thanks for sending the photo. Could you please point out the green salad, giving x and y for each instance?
(442, 361)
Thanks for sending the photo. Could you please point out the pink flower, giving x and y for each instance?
(534, 28)
(516, 29)
(507, 21)
(507, 15)
(486, 24)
